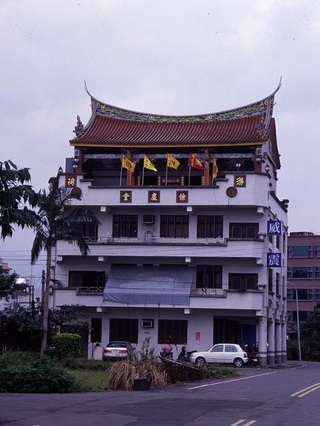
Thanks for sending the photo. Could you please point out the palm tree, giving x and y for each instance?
(56, 223)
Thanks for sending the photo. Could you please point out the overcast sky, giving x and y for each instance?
(159, 56)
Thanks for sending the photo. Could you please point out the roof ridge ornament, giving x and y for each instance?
(79, 128)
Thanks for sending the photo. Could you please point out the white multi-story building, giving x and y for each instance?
(192, 242)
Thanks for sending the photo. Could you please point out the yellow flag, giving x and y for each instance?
(127, 164)
(172, 162)
(147, 164)
(214, 169)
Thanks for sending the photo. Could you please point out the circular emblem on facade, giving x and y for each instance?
(231, 192)
(76, 192)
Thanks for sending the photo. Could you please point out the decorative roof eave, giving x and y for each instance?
(185, 145)
(103, 115)
(263, 107)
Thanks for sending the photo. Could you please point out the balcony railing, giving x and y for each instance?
(208, 292)
(89, 290)
(149, 238)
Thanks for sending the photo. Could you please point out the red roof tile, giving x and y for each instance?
(116, 127)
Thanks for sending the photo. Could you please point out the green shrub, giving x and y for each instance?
(67, 345)
(42, 375)
(147, 353)
(12, 359)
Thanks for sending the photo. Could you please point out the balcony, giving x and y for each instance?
(154, 246)
(254, 193)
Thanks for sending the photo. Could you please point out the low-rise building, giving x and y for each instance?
(303, 277)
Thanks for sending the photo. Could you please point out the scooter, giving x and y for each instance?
(184, 356)
(166, 355)
(252, 355)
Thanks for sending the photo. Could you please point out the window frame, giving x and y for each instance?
(174, 226)
(243, 281)
(242, 230)
(209, 276)
(174, 331)
(209, 226)
(125, 226)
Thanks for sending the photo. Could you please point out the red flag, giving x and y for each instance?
(195, 162)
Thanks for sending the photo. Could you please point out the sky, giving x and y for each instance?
(171, 57)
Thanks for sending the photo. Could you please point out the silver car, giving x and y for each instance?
(221, 353)
(117, 350)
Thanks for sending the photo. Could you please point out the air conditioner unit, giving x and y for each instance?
(147, 323)
(148, 219)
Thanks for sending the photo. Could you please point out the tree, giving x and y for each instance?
(7, 284)
(14, 195)
(57, 223)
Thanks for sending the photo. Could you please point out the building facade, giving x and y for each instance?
(192, 242)
(303, 277)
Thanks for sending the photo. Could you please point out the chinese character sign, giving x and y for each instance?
(274, 227)
(274, 260)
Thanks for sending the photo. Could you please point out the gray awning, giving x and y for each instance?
(135, 285)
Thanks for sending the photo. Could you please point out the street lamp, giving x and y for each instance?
(298, 320)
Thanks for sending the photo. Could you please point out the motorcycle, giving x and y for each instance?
(184, 356)
(252, 352)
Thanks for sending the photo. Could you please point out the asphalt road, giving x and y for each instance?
(260, 396)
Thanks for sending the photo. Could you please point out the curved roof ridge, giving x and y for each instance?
(261, 107)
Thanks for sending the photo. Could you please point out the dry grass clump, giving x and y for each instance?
(123, 373)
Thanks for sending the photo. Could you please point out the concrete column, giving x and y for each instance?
(262, 328)
(284, 342)
(271, 343)
(278, 341)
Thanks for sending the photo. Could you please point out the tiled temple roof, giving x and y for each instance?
(117, 127)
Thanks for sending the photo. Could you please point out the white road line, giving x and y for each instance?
(230, 381)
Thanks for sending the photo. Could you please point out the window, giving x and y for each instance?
(243, 230)
(270, 280)
(88, 231)
(174, 226)
(230, 348)
(317, 251)
(209, 276)
(300, 251)
(317, 294)
(87, 279)
(210, 226)
(300, 273)
(125, 226)
(96, 330)
(176, 331)
(316, 273)
(243, 281)
(277, 283)
(218, 348)
(124, 329)
(304, 294)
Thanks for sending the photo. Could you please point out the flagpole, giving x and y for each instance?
(143, 175)
(167, 171)
(120, 183)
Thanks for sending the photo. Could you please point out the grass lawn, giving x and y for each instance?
(90, 380)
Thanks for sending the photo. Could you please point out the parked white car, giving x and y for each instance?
(221, 353)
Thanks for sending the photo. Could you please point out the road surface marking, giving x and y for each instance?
(231, 381)
(306, 391)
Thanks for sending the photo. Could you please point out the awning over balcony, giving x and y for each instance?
(164, 284)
